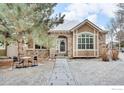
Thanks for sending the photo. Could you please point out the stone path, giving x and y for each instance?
(61, 74)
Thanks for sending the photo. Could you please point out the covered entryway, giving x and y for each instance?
(61, 45)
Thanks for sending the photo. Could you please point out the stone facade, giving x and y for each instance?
(65, 42)
(41, 53)
(72, 40)
(69, 44)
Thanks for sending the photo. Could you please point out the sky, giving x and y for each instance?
(98, 13)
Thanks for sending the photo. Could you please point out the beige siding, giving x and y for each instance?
(86, 27)
(87, 53)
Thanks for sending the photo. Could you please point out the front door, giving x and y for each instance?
(61, 45)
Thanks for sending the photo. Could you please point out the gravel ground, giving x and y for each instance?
(38, 75)
(84, 72)
(97, 72)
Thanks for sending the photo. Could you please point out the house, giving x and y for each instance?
(83, 40)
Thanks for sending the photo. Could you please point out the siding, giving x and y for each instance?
(92, 53)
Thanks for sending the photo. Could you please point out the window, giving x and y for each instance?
(39, 47)
(85, 41)
(62, 46)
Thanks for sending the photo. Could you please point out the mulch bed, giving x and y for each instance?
(5, 64)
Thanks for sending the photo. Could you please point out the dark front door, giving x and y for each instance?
(62, 46)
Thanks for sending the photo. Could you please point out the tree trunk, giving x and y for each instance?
(19, 42)
(5, 48)
(5, 41)
(119, 44)
(30, 41)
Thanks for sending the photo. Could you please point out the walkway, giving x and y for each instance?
(61, 74)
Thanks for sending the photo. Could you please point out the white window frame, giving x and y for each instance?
(85, 33)
(58, 41)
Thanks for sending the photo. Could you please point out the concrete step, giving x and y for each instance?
(61, 56)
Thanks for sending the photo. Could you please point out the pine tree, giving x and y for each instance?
(28, 20)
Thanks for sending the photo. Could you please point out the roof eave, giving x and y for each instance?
(82, 23)
(59, 31)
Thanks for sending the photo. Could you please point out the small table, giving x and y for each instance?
(26, 58)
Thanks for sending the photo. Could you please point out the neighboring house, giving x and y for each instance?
(83, 40)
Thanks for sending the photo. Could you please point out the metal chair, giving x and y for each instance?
(18, 62)
(35, 61)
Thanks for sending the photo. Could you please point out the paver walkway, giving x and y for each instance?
(61, 74)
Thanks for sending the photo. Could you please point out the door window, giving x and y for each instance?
(62, 46)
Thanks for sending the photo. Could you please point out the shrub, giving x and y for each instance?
(104, 55)
(115, 54)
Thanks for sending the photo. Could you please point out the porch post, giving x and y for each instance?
(94, 43)
(97, 44)
(73, 43)
(76, 41)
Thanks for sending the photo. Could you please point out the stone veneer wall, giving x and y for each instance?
(102, 43)
(69, 44)
(41, 53)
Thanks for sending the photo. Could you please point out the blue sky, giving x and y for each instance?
(98, 13)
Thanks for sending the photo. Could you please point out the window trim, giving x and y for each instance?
(88, 33)
(58, 41)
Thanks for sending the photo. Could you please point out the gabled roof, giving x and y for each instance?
(87, 21)
(75, 26)
(66, 26)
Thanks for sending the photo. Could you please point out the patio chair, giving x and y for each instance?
(35, 61)
(30, 62)
(18, 62)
